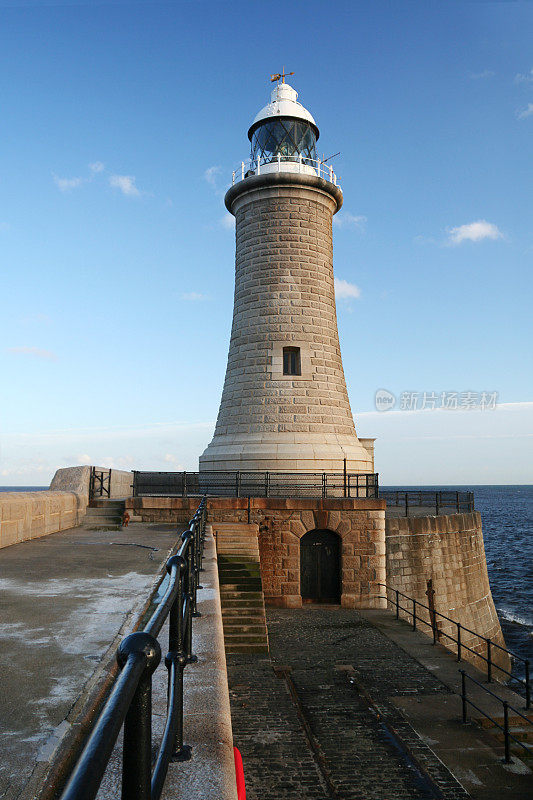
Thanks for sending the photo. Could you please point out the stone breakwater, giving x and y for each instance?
(30, 515)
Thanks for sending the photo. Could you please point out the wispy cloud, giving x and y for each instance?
(347, 220)
(228, 221)
(524, 77)
(474, 232)
(125, 184)
(210, 175)
(67, 184)
(526, 112)
(345, 290)
(479, 76)
(36, 352)
(193, 297)
(36, 318)
(97, 166)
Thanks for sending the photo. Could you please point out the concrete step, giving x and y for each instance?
(244, 638)
(514, 720)
(104, 503)
(246, 648)
(524, 734)
(240, 587)
(238, 594)
(238, 613)
(243, 605)
(245, 627)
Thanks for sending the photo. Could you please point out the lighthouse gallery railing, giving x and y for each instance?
(255, 484)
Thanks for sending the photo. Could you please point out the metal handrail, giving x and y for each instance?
(506, 706)
(301, 164)
(130, 701)
(433, 614)
(442, 500)
(255, 483)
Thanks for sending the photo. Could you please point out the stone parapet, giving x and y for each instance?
(449, 551)
(30, 515)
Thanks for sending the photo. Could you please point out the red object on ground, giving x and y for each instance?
(239, 772)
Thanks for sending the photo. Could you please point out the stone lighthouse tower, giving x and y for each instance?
(284, 404)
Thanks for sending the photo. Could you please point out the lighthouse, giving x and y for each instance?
(284, 404)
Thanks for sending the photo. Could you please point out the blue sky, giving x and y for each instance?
(122, 122)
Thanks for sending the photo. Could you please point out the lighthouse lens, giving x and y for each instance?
(285, 138)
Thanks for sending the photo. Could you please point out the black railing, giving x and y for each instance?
(130, 702)
(255, 484)
(505, 705)
(418, 503)
(489, 645)
(99, 483)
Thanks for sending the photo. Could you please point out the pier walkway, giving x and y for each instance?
(67, 600)
(355, 706)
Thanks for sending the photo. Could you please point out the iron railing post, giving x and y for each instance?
(414, 614)
(137, 747)
(463, 694)
(458, 641)
(528, 687)
(406, 504)
(397, 604)
(489, 661)
(507, 758)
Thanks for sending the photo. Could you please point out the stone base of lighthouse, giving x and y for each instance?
(286, 452)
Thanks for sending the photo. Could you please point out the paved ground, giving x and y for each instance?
(66, 600)
(332, 725)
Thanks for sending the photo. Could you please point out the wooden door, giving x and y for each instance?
(320, 567)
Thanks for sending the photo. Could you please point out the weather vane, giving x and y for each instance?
(280, 75)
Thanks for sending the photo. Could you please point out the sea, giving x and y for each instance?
(507, 517)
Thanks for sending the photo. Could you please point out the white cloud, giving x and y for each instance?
(347, 220)
(126, 184)
(193, 296)
(210, 175)
(345, 290)
(96, 166)
(526, 112)
(228, 222)
(37, 352)
(172, 459)
(67, 184)
(36, 318)
(524, 77)
(474, 232)
(487, 73)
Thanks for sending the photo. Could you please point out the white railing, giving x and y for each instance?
(297, 165)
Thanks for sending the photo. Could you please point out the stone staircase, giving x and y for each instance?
(241, 590)
(104, 515)
(518, 728)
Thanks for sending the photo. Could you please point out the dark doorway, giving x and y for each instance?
(320, 567)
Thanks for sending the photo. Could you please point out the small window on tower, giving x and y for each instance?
(292, 364)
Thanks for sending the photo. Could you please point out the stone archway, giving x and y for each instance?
(320, 567)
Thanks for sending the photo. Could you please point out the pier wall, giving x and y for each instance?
(29, 515)
(359, 523)
(449, 551)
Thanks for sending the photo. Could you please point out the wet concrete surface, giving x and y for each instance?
(65, 599)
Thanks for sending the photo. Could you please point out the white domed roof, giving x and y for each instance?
(283, 103)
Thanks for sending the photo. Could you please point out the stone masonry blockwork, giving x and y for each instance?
(284, 295)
